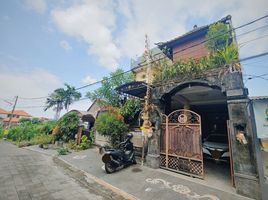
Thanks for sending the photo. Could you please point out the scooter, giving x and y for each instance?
(116, 159)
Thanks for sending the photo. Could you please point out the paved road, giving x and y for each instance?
(27, 175)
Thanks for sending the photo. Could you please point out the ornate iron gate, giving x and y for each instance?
(181, 144)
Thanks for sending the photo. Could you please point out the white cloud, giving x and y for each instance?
(93, 22)
(88, 80)
(34, 83)
(65, 45)
(39, 6)
(163, 20)
(113, 29)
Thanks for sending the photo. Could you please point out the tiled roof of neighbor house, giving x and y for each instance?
(259, 98)
(13, 120)
(190, 35)
(21, 113)
(2, 111)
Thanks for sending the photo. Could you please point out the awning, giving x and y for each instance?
(135, 88)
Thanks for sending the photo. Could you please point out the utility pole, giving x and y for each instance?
(14, 106)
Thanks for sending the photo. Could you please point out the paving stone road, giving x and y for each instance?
(27, 175)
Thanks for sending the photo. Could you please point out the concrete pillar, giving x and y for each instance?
(244, 151)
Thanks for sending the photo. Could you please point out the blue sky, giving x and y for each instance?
(45, 43)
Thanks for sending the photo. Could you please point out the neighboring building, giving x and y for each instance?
(260, 106)
(139, 65)
(3, 115)
(15, 117)
(95, 110)
(188, 109)
(88, 119)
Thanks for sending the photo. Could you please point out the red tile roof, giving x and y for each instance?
(16, 112)
(2, 111)
(20, 113)
(13, 120)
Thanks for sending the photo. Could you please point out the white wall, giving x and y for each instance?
(261, 118)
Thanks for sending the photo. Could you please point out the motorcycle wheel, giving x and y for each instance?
(134, 161)
(109, 168)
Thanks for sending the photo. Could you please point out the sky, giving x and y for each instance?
(46, 43)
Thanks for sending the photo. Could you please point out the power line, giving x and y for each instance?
(239, 27)
(30, 98)
(241, 60)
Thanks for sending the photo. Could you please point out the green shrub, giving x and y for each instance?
(47, 127)
(63, 151)
(68, 124)
(1, 132)
(85, 144)
(130, 110)
(112, 125)
(42, 139)
(218, 36)
(25, 131)
(92, 136)
(71, 144)
(32, 133)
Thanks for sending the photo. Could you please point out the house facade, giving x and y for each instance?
(190, 107)
(13, 118)
(3, 115)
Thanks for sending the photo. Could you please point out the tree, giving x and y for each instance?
(71, 95)
(62, 98)
(111, 124)
(217, 37)
(107, 91)
(130, 110)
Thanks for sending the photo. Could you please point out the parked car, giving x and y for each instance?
(216, 147)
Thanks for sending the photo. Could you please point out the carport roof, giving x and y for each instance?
(259, 98)
(135, 88)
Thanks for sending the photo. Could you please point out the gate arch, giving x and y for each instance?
(181, 143)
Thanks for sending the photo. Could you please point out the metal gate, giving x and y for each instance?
(181, 144)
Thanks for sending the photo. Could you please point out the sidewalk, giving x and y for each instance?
(141, 182)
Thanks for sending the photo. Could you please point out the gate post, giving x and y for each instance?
(242, 138)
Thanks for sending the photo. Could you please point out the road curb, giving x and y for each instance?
(90, 176)
(102, 182)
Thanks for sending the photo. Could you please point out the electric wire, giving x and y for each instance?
(128, 71)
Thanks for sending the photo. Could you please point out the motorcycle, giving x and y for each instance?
(115, 159)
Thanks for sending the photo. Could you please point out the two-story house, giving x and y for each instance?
(13, 118)
(3, 115)
(199, 112)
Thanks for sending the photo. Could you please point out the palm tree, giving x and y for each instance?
(71, 95)
(62, 98)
